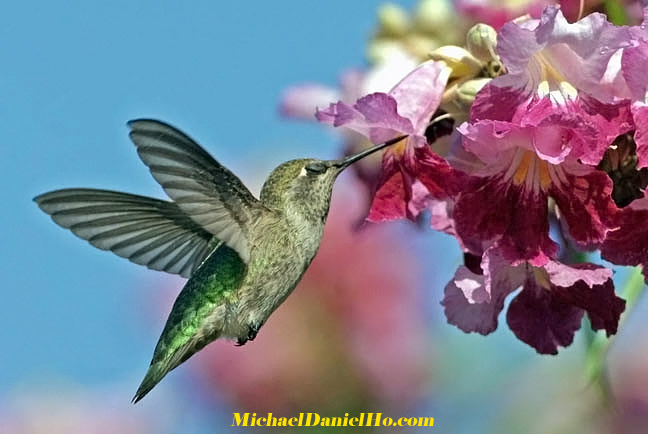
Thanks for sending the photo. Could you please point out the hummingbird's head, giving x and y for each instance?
(304, 186)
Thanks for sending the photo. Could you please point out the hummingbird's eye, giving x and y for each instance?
(316, 168)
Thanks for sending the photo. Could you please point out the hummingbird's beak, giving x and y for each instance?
(345, 162)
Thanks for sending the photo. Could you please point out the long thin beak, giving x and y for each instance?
(345, 162)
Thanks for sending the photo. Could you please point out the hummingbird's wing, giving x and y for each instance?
(204, 189)
(147, 231)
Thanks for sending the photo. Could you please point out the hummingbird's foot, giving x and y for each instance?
(252, 333)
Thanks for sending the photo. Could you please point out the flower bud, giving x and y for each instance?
(467, 91)
(419, 45)
(458, 98)
(381, 50)
(481, 41)
(392, 21)
(462, 63)
(434, 16)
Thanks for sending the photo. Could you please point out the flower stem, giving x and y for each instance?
(615, 12)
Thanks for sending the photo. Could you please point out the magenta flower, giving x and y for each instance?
(628, 244)
(538, 132)
(634, 64)
(411, 171)
(569, 66)
(567, 63)
(551, 57)
(302, 101)
(505, 201)
(560, 136)
(548, 310)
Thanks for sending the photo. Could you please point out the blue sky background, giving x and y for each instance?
(72, 74)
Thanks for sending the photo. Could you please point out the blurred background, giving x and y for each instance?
(363, 332)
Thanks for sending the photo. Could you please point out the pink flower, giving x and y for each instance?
(302, 101)
(548, 310)
(538, 132)
(505, 201)
(554, 58)
(634, 64)
(628, 243)
(411, 171)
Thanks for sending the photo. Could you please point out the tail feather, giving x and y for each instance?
(153, 376)
(160, 368)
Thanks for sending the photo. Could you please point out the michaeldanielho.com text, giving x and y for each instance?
(314, 419)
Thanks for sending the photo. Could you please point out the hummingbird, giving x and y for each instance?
(242, 256)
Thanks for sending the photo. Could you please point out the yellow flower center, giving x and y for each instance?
(527, 168)
(552, 81)
(399, 147)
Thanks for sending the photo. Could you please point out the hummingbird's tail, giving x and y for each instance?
(161, 366)
(159, 369)
(155, 373)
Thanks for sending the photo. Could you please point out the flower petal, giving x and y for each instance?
(568, 275)
(473, 302)
(640, 114)
(434, 173)
(493, 210)
(584, 199)
(469, 317)
(594, 126)
(498, 103)
(301, 101)
(418, 95)
(541, 319)
(374, 116)
(393, 193)
(548, 310)
(600, 302)
(493, 141)
(628, 245)
(634, 65)
(558, 51)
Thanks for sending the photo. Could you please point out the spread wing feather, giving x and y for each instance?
(206, 191)
(147, 231)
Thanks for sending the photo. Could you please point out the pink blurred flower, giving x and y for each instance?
(496, 13)
(65, 410)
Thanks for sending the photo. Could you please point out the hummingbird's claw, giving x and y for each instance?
(252, 333)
